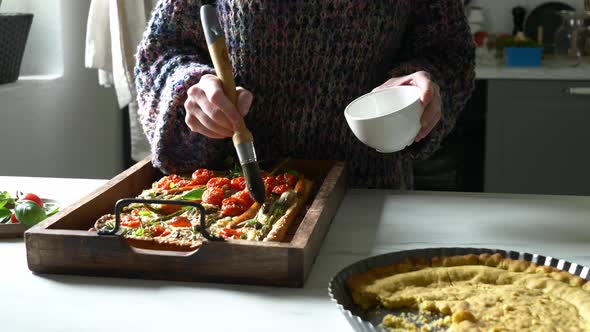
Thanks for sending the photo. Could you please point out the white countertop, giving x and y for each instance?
(549, 70)
(368, 222)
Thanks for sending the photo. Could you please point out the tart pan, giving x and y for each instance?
(369, 321)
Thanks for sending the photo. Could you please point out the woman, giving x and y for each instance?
(300, 63)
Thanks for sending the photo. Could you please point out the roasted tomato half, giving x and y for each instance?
(202, 176)
(233, 206)
(172, 181)
(180, 221)
(218, 182)
(245, 197)
(213, 196)
(238, 183)
(287, 178)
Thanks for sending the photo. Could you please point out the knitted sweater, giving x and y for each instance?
(304, 61)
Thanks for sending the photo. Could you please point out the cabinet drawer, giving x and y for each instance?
(537, 138)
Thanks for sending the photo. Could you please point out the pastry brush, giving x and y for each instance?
(242, 138)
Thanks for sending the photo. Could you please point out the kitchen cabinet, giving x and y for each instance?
(538, 137)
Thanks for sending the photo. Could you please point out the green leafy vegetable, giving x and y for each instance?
(29, 213)
(4, 215)
(145, 213)
(139, 232)
(193, 195)
(6, 200)
(50, 208)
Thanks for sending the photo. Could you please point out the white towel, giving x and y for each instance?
(114, 29)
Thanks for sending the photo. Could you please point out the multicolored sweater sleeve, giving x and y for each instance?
(439, 42)
(171, 58)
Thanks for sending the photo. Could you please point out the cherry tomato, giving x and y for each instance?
(130, 221)
(156, 230)
(230, 233)
(218, 182)
(166, 233)
(287, 178)
(13, 219)
(180, 221)
(233, 206)
(213, 196)
(32, 197)
(238, 183)
(269, 183)
(281, 188)
(171, 181)
(245, 197)
(201, 176)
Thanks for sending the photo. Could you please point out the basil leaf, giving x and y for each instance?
(145, 213)
(50, 208)
(193, 195)
(29, 213)
(4, 215)
(6, 200)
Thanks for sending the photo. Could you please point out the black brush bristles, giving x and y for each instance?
(254, 181)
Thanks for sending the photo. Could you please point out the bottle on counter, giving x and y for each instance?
(569, 37)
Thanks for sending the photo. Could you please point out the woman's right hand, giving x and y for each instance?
(210, 112)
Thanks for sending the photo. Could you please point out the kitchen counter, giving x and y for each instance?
(550, 70)
(368, 222)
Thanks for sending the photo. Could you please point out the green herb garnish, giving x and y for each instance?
(193, 195)
(139, 232)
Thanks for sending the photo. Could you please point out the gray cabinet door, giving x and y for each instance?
(537, 138)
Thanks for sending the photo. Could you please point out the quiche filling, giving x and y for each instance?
(476, 293)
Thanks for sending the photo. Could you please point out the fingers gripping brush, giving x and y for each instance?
(242, 138)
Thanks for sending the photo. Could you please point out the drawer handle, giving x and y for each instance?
(578, 91)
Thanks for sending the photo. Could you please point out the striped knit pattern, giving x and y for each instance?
(304, 61)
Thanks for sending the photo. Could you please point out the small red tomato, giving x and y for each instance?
(238, 183)
(287, 178)
(130, 221)
(281, 188)
(201, 176)
(32, 197)
(218, 182)
(156, 230)
(166, 233)
(233, 206)
(171, 181)
(180, 221)
(229, 233)
(269, 183)
(213, 196)
(245, 197)
(13, 219)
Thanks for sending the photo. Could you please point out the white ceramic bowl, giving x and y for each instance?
(387, 120)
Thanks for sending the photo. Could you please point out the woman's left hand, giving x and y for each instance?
(430, 98)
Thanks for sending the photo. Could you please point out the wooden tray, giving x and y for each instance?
(8, 231)
(63, 244)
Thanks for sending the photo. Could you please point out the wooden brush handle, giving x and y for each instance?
(223, 68)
